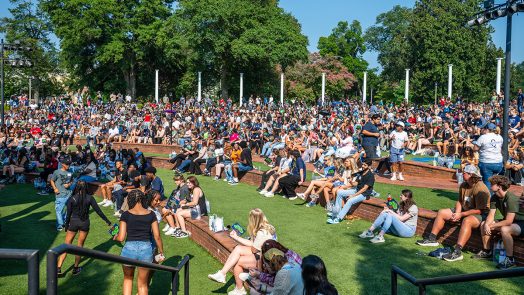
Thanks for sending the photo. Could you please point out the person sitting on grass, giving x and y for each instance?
(512, 224)
(357, 191)
(402, 224)
(77, 221)
(246, 255)
(317, 185)
(194, 208)
(470, 210)
(244, 164)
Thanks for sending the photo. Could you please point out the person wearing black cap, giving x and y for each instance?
(61, 180)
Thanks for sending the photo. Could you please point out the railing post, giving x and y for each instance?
(422, 289)
(52, 283)
(33, 274)
(393, 282)
(174, 283)
(186, 278)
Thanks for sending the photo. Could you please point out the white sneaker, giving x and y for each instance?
(117, 214)
(170, 231)
(235, 179)
(225, 179)
(400, 177)
(366, 235)
(107, 204)
(216, 178)
(377, 239)
(302, 196)
(269, 195)
(218, 277)
(263, 192)
(166, 228)
(394, 177)
(243, 276)
(236, 291)
(102, 202)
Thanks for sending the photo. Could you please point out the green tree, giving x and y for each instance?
(388, 37)
(233, 36)
(29, 25)
(438, 36)
(347, 43)
(110, 44)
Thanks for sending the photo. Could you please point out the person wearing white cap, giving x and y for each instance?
(399, 140)
(470, 210)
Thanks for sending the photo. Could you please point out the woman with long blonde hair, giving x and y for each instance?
(246, 255)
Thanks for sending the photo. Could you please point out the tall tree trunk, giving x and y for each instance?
(224, 85)
(130, 77)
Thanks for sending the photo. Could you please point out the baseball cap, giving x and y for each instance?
(472, 169)
(400, 123)
(491, 126)
(150, 170)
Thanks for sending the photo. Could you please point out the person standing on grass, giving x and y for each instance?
(512, 224)
(77, 221)
(489, 146)
(138, 227)
(399, 140)
(470, 210)
(402, 224)
(61, 180)
(370, 135)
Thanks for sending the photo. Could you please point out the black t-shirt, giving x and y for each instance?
(144, 181)
(363, 179)
(245, 156)
(138, 226)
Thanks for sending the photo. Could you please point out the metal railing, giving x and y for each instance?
(31, 256)
(52, 256)
(479, 276)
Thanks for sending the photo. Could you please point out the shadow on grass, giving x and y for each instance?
(161, 281)
(446, 194)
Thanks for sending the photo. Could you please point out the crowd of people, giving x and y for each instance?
(341, 140)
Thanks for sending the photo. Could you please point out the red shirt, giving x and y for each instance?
(147, 118)
(35, 130)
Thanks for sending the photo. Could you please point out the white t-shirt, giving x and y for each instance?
(490, 148)
(261, 236)
(113, 131)
(398, 139)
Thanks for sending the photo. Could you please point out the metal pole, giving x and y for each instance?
(364, 88)
(393, 282)
(422, 290)
(499, 74)
(199, 97)
(33, 274)
(406, 89)
(52, 283)
(450, 79)
(507, 81)
(156, 86)
(241, 88)
(323, 87)
(186, 278)
(436, 85)
(30, 78)
(2, 78)
(282, 89)
(174, 283)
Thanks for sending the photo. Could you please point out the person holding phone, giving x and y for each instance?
(138, 227)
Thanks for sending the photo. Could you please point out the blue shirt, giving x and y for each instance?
(296, 166)
(369, 140)
(157, 185)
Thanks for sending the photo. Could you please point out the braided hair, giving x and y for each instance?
(82, 200)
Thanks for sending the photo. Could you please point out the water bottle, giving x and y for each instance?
(389, 197)
(211, 222)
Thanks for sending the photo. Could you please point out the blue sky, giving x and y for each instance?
(319, 17)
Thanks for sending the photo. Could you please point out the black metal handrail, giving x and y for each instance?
(479, 276)
(52, 256)
(33, 273)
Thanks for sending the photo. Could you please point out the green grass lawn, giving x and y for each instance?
(355, 266)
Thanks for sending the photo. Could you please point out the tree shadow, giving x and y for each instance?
(446, 194)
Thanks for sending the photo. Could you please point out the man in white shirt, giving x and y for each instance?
(489, 146)
(399, 140)
(113, 132)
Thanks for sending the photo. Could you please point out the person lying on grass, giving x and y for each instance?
(512, 225)
(402, 223)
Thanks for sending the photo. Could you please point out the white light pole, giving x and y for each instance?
(199, 97)
(282, 89)
(30, 78)
(323, 87)
(499, 74)
(364, 89)
(406, 89)
(450, 79)
(156, 86)
(241, 88)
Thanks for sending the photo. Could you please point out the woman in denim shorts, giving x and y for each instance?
(138, 227)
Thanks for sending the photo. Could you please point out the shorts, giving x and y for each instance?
(371, 152)
(75, 225)
(396, 155)
(520, 223)
(480, 217)
(138, 250)
(338, 183)
(244, 168)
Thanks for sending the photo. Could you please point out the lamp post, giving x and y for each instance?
(199, 96)
(499, 70)
(323, 87)
(450, 80)
(436, 86)
(14, 62)
(492, 12)
(406, 90)
(364, 88)
(241, 88)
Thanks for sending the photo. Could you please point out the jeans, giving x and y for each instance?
(89, 138)
(341, 194)
(487, 170)
(265, 147)
(85, 178)
(60, 209)
(274, 146)
(390, 223)
(184, 165)
(229, 172)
